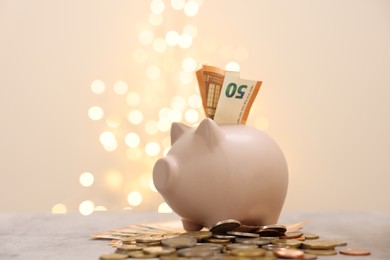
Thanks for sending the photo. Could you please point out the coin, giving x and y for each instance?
(217, 240)
(256, 241)
(309, 256)
(287, 242)
(290, 235)
(272, 247)
(246, 228)
(355, 251)
(199, 235)
(179, 242)
(248, 252)
(149, 239)
(280, 228)
(140, 254)
(269, 233)
(224, 226)
(239, 246)
(195, 252)
(319, 244)
(311, 236)
(242, 234)
(158, 250)
(224, 236)
(211, 246)
(321, 251)
(112, 256)
(126, 248)
(288, 253)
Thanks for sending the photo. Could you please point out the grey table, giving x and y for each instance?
(43, 236)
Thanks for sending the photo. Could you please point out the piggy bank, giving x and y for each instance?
(214, 173)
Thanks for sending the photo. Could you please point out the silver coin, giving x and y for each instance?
(179, 242)
(195, 252)
(242, 234)
(224, 226)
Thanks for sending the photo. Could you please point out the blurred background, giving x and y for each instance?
(89, 90)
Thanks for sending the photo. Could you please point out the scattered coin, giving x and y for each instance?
(217, 240)
(319, 244)
(179, 242)
(140, 255)
(158, 250)
(194, 252)
(112, 256)
(311, 236)
(246, 228)
(242, 234)
(269, 233)
(256, 241)
(288, 253)
(290, 235)
(224, 226)
(321, 251)
(230, 237)
(199, 235)
(248, 252)
(355, 251)
(287, 242)
(280, 228)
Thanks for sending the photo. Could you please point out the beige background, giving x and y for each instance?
(325, 97)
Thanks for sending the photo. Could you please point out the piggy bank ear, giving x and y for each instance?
(178, 130)
(209, 131)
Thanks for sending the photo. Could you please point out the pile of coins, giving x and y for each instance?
(228, 239)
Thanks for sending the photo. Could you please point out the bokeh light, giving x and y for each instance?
(135, 117)
(86, 207)
(95, 113)
(164, 208)
(114, 179)
(191, 8)
(232, 66)
(178, 4)
(185, 40)
(191, 30)
(156, 19)
(157, 6)
(98, 86)
(107, 139)
(152, 149)
(172, 38)
(59, 208)
(134, 198)
(191, 116)
(132, 140)
(86, 179)
(159, 45)
(189, 64)
(113, 121)
(120, 87)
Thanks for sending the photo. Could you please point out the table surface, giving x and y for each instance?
(44, 236)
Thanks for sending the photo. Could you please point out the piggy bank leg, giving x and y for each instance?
(190, 226)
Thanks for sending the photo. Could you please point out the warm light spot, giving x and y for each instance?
(152, 149)
(164, 113)
(58, 209)
(191, 30)
(185, 41)
(166, 150)
(151, 186)
(120, 87)
(195, 101)
(107, 139)
(189, 64)
(164, 208)
(100, 208)
(155, 19)
(134, 154)
(132, 140)
(134, 198)
(178, 103)
(186, 77)
(191, 116)
(114, 179)
(172, 38)
(164, 125)
(151, 127)
(95, 113)
(113, 121)
(140, 55)
(175, 115)
(169, 65)
(178, 4)
(191, 8)
(262, 123)
(159, 45)
(133, 99)
(135, 117)
(86, 207)
(86, 179)
(241, 53)
(98, 86)
(209, 45)
(232, 66)
(146, 37)
(157, 6)
(153, 72)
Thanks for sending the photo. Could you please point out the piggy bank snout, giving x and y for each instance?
(164, 173)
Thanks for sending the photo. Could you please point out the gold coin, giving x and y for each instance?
(199, 235)
(126, 247)
(319, 244)
(288, 253)
(149, 239)
(112, 256)
(355, 251)
(217, 240)
(311, 236)
(290, 235)
(287, 242)
(158, 250)
(321, 251)
(179, 242)
(248, 252)
(256, 241)
(140, 254)
(224, 226)
(239, 246)
(195, 252)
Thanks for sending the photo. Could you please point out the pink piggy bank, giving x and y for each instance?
(213, 173)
